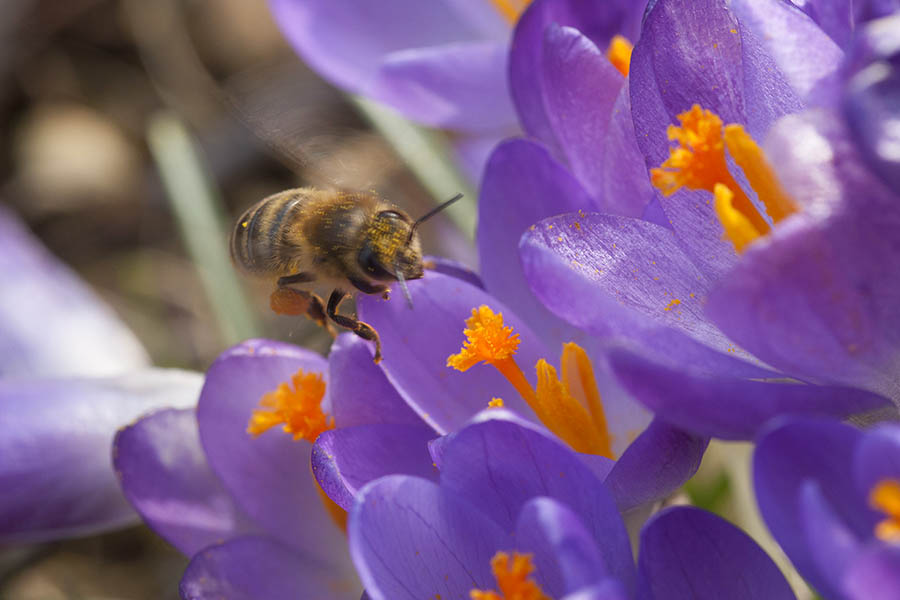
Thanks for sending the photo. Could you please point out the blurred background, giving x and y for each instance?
(133, 133)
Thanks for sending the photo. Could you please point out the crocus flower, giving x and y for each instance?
(791, 285)
(443, 64)
(71, 373)
(230, 491)
(830, 495)
(515, 514)
(647, 460)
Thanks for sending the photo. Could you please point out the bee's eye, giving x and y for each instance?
(390, 214)
(368, 261)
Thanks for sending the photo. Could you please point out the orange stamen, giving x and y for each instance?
(752, 161)
(297, 408)
(619, 53)
(512, 579)
(698, 163)
(580, 424)
(885, 497)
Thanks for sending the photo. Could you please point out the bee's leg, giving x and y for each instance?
(296, 278)
(288, 301)
(360, 328)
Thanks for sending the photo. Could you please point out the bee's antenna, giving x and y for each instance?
(431, 213)
(399, 275)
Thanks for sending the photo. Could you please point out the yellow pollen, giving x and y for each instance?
(510, 9)
(513, 579)
(674, 301)
(487, 340)
(297, 408)
(619, 53)
(495, 403)
(571, 408)
(698, 162)
(885, 497)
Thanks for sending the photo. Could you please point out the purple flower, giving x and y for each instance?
(575, 399)
(71, 373)
(443, 64)
(514, 509)
(240, 500)
(697, 317)
(830, 495)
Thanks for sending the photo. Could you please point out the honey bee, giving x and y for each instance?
(347, 241)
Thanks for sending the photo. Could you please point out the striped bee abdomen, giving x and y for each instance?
(261, 241)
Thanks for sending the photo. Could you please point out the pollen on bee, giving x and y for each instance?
(244, 224)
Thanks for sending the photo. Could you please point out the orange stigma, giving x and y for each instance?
(510, 9)
(699, 162)
(297, 408)
(570, 407)
(885, 497)
(619, 53)
(513, 579)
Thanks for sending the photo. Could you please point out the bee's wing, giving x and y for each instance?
(308, 125)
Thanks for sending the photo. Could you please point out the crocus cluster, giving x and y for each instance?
(697, 236)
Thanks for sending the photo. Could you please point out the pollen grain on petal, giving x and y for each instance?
(619, 53)
(296, 406)
(495, 403)
(885, 497)
(487, 340)
(513, 579)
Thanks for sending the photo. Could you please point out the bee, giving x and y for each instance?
(348, 241)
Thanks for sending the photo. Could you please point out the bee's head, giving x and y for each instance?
(391, 250)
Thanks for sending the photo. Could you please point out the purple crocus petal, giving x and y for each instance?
(253, 568)
(164, 475)
(359, 392)
(802, 54)
(581, 87)
(875, 575)
(457, 86)
(565, 555)
(872, 94)
(454, 268)
(268, 476)
(689, 553)
(522, 184)
(577, 282)
(55, 435)
(415, 351)
(693, 400)
(51, 323)
(637, 275)
(655, 464)
(473, 151)
(832, 546)
(503, 465)
(818, 296)
(345, 459)
(877, 458)
(835, 17)
(411, 539)
(401, 32)
(820, 451)
(598, 22)
(608, 589)
(626, 187)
